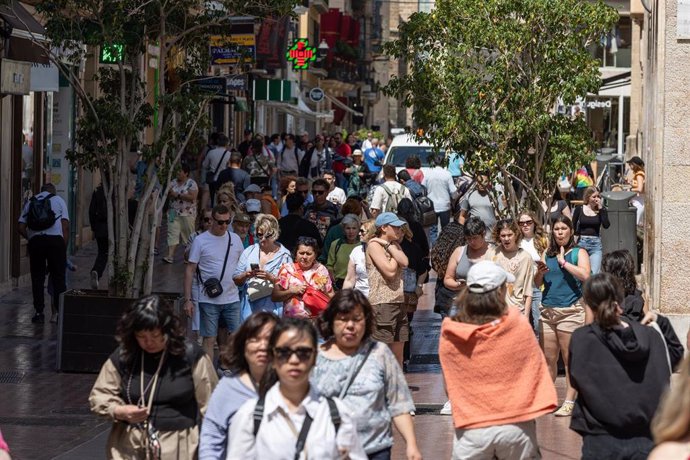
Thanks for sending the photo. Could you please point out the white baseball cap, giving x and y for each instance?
(485, 276)
(253, 206)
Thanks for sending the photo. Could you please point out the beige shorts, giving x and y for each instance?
(514, 441)
(391, 323)
(566, 319)
(180, 229)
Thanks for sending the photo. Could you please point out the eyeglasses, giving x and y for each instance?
(303, 192)
(318, 192)
(525, 222)
(362, 231)
(285, 353)
(222, 222)
(207, 219)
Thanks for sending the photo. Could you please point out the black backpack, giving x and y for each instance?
(40, 215)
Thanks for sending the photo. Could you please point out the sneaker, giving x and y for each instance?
(155, 251)
(38, 318)
(566, 410)
(94, 279)
(446, 410)
(167, 260)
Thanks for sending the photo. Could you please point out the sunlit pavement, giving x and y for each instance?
(44, 414)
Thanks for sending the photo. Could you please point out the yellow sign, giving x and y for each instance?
(231, 49)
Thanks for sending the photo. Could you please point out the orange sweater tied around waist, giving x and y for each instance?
(495, 373)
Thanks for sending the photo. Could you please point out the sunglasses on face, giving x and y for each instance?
(222, 222)
(207, 219)
(303, 192)
(318, 192)
(525, 222)
(302, 353)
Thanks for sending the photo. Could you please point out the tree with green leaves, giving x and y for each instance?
(485, 78)
(173, 37)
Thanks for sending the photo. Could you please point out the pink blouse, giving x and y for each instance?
(316, 277)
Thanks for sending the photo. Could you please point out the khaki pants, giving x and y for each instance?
(128, 443)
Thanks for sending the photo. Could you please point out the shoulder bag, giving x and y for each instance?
(315, 300)
(212, 286)
(258, 288)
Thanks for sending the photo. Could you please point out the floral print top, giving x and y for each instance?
(182, 207)
(316, 277)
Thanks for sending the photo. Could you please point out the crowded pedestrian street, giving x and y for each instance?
(45, 413)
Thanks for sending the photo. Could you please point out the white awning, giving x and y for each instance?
(335, 101)
(301, 110)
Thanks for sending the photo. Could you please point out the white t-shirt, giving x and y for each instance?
(212, 160)
(361, 278)
(290, 159)
(380, 198)
(59, 207)
(440, 187)
(208, 251)
(528, 245)
(337, 196)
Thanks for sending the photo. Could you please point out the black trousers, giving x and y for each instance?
(47, 251)
(102, 258)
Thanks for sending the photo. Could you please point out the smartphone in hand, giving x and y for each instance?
(541, 265)
(254, 266)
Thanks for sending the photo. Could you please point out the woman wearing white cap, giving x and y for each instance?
(495, 393)
(385, 262)
(358, 172)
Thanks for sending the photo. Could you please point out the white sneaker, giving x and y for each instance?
(446, 410)
(94, 279)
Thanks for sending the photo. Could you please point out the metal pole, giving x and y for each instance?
(621, 102)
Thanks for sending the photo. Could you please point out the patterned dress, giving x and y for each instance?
(316, 277)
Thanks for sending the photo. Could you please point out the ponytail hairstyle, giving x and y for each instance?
(604, 294)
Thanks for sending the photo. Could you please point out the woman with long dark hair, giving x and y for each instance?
(290, 408)
(154, 387)
(619, 369)
(564, 268)
(246, 361)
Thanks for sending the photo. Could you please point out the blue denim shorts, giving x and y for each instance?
(211, 313)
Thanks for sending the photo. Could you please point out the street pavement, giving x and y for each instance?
(44, 414)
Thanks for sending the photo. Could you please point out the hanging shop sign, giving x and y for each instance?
(232, 49)
(301, 54)
(237, 82)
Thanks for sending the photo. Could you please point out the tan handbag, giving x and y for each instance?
(258, 288)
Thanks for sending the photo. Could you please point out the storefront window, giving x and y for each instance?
(28, 157)
(602, 119)
(613, 50)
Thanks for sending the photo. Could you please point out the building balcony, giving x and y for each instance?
(320, 5)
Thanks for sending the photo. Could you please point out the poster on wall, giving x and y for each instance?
(683, 21)
(62, 141)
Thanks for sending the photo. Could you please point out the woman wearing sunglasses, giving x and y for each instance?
(257, 269)
(534, 241)
(292, 419)
(365, 375)
(295, 280)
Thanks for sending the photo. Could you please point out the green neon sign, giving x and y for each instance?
(112, 54)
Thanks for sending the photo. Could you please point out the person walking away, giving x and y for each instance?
(215, 162)
(493, 418)
(559, 206)
(44, 222)
(562, 271)
(182, 211)
(336, 195)
(290, 158)
(513, 259)
(619, 369)
(588, 221)
(441, 187)
(257, 270)
(376, 391)
(478, 204)
(296, 279)
(293, 226)
(239, 178)
(339, 253)
(385, 262)
(245, 362)
(154, 387)
(213, 259)
(413, 284)
(373, 158)
(292, 408)
(341, 159)
(260, 164)
(387, 196)
(98, 219)
(534, 241)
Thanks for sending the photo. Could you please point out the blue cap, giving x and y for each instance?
(389, 218)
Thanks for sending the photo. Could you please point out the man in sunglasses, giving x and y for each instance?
(214, 255)
(321, 212)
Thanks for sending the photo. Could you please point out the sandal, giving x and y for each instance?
(566, 410)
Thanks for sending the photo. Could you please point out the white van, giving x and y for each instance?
(404, 146)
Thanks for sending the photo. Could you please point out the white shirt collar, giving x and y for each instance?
(275, 400)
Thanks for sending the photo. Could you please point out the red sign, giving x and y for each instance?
(301, 54)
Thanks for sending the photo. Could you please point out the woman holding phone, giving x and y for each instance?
(564, 268)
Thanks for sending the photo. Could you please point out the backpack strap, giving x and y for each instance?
(337, 247)
(335, 414)
(259, 413)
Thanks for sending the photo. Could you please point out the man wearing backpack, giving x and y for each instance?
(44, 222)
(389, 193)
(441, 187)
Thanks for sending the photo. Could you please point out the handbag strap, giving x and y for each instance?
(353, 376)
(219, 163)
(302, 438)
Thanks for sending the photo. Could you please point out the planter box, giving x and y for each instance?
(86, 328)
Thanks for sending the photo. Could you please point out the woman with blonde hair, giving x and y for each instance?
(226, 196)
(535, 241)
(588, 220)
(258, 267)
(671, 424)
